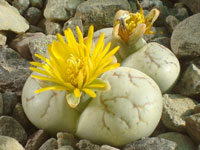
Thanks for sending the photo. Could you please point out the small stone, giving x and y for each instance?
(65, 139)
(197, 109)
(60, 10)
(52, 28)
(185, 41)
(183, 141)
(175, 109)
(179, 5)
(1, 104)
(153, 143)
(87, 145)
(50, 144)
(165, 41)
(34, 29)
(193, 5)
(21, 5)
(182, 14)
(188, 84)
(11, 20)
(107, 147)
(66, 148)
(36, 140)
(20, 43)
(8, 143)
(14, 70)
(158, 32)
(10, 127)
(9, 101)
(11, 60)
(72, 23)
(39, 46)
(37, 3)
(19, 115)
(192, 127)
(133, 4)
(33, 15)
(3, 38)
(171, 23)
(100, 13)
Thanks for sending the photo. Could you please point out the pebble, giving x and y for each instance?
(52, 28)
(107, 147)
(34, 29)
(66, 148)
(175, 109)
(153, 143)
(185, 41)
(37, 3)
(65, 139)
(190, 81)
(10, 127)
(19, 115)
(20, 43)
(192, 126)
(87, 145)
(171, 23)
(14, 70)
(72, 23)
(165, 41)
(3, 38)
(183, 141)
(36, 140)
(21, 5)
(193, 5)
(1, 104)
(91, 12)
(197, 109)
(39, 46)
(50, 144)
(9, 102)
(12, 20)
(8, 143)
(33, 15)
(60, 10)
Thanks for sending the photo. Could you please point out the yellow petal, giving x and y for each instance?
(39, 71)
(50, 88)
(60, 38)
(98, 46)
(80, 36)
(89, 92)
(37, 64)
(89, 38)
(77, 92)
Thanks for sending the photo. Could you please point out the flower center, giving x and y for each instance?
(74, 66)
(129, 23)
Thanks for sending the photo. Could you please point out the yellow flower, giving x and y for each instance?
(75, 66)
(128, 22)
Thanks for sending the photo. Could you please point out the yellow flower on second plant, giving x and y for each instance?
(129, 21)
(75, 66)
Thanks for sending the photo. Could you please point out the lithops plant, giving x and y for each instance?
(130, 110)
(122, 105)
(52, 93)
(152, 58)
